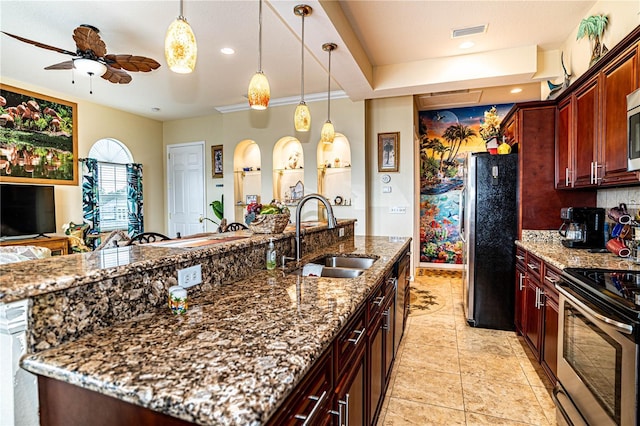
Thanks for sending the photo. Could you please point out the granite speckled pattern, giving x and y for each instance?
(561, 257)
(238, 352)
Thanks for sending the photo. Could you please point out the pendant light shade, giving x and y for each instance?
(328, 133)
(180, 49)
(302, 116)
(259, 92)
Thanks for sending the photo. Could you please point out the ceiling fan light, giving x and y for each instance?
(302, 118)
(259, 92)
(89, 67)
(328, 133)
(180, 49)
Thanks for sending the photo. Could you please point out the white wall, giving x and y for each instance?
(384, 116)
(141, 135)
(266, 128)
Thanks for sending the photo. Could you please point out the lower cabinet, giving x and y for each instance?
(350, 404)
(536, 309)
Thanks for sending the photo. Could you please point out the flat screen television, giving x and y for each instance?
(26, 210)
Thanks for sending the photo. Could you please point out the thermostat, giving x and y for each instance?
(385, 178)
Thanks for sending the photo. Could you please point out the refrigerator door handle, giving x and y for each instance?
(461, 212)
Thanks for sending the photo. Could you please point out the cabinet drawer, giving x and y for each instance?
(310, 402)
(521, 256)
(376, 300)
(352, 338)
(551, 277)
(534, 266)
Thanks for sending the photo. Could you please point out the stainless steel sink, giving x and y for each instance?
(346, 262)
(336, 272)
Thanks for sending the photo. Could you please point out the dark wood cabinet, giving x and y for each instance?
(520, 281)
(376, 368)
(350, 405)
(533, 315)
(535, 134)
(617, 80)
(549, 350)
(591, 128)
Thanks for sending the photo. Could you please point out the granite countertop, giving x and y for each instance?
(562, 257)
(236, 354)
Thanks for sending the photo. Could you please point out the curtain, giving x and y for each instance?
(134, 199)
(91, 200)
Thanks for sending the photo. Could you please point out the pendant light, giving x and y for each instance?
(180, 48)
(259, 91)
(328, 133)
(302, 116)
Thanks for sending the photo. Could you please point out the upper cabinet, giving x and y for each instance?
(591, 129)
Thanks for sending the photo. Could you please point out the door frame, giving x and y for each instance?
(168, 175)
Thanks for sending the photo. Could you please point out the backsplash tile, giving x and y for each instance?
(608, 198)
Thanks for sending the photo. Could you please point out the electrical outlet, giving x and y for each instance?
(190, 276)
(341, 232)
(397, 210)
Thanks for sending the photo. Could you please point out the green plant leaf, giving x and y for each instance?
(218, 207)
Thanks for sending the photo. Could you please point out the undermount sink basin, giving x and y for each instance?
(347, 262)
(336, 272)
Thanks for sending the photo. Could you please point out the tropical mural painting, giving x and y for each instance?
(445, 136)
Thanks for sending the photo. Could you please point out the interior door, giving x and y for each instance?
(185, 186)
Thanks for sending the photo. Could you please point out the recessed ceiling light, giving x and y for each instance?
(467, 45)
(516, 90)
(227, 51)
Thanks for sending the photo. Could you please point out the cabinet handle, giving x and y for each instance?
(552, 280)
(591, 174)
(307, 419)
(521, 283)
(378, 300)
(567, 173)
(344, 404)
(532, 266)
(385, 325)
(541, 301)
(360, 333)
(597, 166)
(520, 257)
(537, 297)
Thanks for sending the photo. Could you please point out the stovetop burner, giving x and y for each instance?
(621, 287)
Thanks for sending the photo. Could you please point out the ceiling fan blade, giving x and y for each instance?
(42, 45)
(132, 63)
(117, 76)
(66, 65)
(87, 38)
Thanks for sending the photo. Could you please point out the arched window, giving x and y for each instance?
(112, 188)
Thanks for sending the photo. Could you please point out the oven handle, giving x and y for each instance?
(563, 402)
(620, 326)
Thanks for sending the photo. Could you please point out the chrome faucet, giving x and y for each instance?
(330, 218)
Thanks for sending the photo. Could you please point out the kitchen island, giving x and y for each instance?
(239, 352)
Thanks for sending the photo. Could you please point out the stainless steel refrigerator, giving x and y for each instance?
(489, 227)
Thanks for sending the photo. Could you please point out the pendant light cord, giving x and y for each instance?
(260, 38)
(181, 15)
(302, 79)
(329, 90)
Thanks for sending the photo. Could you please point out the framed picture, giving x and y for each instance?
(216, 161)
(38, 138)
(251, 199)
(388, 151)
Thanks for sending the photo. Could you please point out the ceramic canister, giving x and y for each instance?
(178, 299)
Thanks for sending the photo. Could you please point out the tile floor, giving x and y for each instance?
(448, 373)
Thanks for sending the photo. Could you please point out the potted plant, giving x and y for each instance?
(593, 27)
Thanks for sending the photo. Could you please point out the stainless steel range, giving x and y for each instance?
(598, 347)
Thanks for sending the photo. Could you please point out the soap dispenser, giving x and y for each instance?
(271, 256)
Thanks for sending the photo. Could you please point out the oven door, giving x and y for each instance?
(596, 363)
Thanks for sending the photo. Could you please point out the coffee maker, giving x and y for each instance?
(582, 227)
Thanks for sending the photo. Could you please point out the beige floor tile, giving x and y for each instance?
(438, 358)
(534, 372)
(476, 419)
(428, 386)
(437, 319)
(519, 346)
(505, 400)
(426, 335)
(492, 367)
(481, 340)
(544, 399)
(402, 412)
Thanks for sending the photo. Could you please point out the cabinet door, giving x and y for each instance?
(532, 315)
(388, 327)
(351, 393)
(376, 368)
(586, 121)
(520, 298)
(617, 81)
(564, 168)
(549, 358)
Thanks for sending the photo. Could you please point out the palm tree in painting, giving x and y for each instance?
(456, 135)
(593, 27)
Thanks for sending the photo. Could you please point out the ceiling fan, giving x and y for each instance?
(91, 57)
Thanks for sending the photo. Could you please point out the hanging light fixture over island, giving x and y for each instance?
(180, 49)
(328, 133)
(259, 92)
(302, 115)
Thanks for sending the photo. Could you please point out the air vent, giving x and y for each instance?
(448, 99)
(463, 32)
